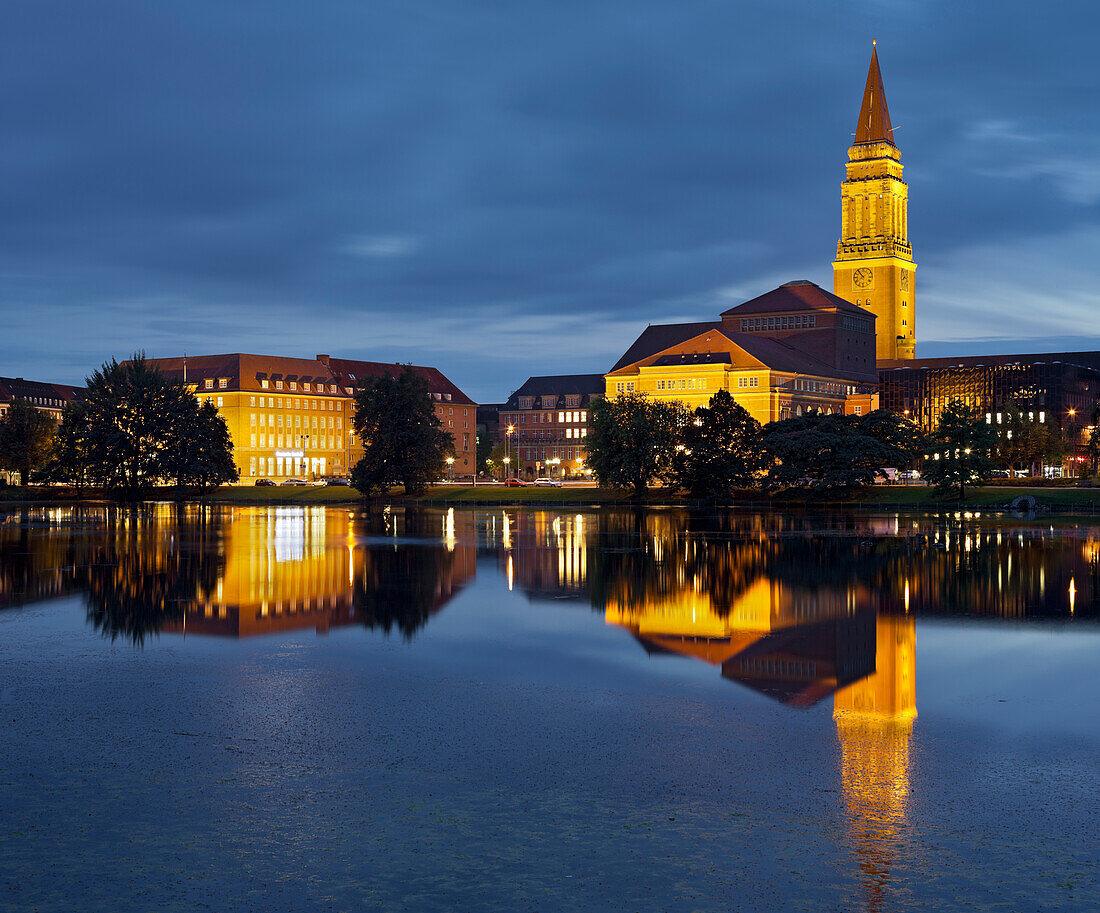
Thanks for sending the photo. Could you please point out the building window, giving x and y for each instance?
(208, 383)
(278, 385)
(222, 383)
(293, 385)
(219, 402)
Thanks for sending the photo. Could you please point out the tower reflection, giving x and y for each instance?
(874, 721)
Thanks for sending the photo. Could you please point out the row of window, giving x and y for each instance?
(276, 466)
(310, 441)
(561, 453)
(277, 421)
(322, 405)
(1000, 417)
(689, 383)
(792, 322)
(624, 386)
(822, 386)
(743, 382)
(528, 402)
(856, 324)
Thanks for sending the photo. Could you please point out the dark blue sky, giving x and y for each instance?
(501, 187)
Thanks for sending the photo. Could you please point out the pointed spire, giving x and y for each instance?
(874, 117)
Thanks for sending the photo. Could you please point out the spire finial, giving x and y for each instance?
(874, 117)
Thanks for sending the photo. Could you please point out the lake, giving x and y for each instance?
(287, 708)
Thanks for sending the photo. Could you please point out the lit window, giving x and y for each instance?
(209, 383)
(222, 383)
(278, 385)
(252, 401)
(561, 416)
(219, 402)
(263, 384)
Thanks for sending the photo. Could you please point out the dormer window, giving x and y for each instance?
(263, 384)
(305, 387)
(208, 383)
(222, 383)
(447, 397)
(278, 385)
(332, 388)
(294, 385)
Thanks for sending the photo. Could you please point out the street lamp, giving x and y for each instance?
(508, 443)
(507, 460)
(451, 467)
(551, 463)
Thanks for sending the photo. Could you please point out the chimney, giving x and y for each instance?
(323, 359)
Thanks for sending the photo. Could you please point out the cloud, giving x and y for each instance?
(380, 246)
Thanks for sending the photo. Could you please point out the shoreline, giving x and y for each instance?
(1058, 500)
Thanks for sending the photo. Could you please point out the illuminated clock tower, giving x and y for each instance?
(874, 263)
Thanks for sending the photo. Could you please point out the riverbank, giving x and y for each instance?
(1063, 499)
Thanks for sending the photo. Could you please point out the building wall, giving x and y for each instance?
(766, 395)
(539, 435)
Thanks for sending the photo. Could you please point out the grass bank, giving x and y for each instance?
(1078, 500)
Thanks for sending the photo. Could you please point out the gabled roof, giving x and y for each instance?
(659, 336)
(438, 382)
(798, 295)
(874, 117)
(554, 385)
(38, 392)
(745, 350)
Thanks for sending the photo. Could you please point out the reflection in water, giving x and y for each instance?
(795, 608)
(403, 584)
(874, 721)
(236, 573)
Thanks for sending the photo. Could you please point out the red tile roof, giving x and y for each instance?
(799, 295)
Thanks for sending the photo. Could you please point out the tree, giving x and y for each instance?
(484, 450)
(631, 440)
(494, 462)
(1021, 441)
(720, 450)
(26, 435)
(828, 451)
(959, 449)
(403, 441)
(902, 439)
(204, 456)
(136, 427)
(69, 461)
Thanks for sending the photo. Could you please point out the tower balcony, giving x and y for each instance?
(864, 248)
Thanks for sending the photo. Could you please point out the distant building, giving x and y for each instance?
(1060, 389)
(488, 424)
(47, 397)
(545, 424)
(292, 417)
(794, 349)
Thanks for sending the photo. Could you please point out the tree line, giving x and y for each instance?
(719, 450)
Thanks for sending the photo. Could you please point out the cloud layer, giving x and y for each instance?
(505, 189)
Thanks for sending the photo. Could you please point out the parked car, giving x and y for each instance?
(264, 483)
(337, 480)
(299, 483)
(548, 483)
(515, 483)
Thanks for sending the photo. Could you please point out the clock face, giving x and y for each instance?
(863, 278)
(905, 282)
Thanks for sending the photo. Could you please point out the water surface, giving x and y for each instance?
(323, 709)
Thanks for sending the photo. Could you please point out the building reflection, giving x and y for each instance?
(193, 570)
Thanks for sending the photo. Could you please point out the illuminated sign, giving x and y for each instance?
(294, 454)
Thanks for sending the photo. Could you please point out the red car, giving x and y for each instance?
(515, 483)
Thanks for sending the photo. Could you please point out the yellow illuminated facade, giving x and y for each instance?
(292, 418)
(693, 371)
(874, 265)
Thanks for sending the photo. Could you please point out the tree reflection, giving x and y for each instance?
(400, 586)
(147, 568)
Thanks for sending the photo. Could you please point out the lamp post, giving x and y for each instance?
(508, 443)
(507, 460)
(451, 467)
(551, 463)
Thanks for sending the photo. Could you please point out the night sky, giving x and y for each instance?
(504, 188)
